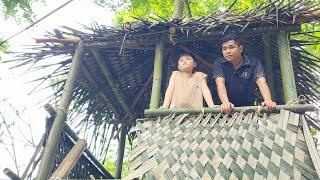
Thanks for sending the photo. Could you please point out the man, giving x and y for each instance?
(236, 74)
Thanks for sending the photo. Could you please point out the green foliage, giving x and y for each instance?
(313, 30)
(110, 164)
(110, 161)
(3, 47)
(18, 9)
(127, 11)
(311, 34)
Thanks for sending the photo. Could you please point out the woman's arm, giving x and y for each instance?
(206, 93)
(169, 92)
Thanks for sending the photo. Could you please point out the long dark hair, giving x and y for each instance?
(186, 54)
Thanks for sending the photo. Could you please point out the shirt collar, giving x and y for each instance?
(245, 60)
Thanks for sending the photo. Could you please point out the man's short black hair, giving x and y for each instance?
(231, 36)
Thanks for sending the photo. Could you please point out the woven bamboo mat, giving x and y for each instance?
(222, 146)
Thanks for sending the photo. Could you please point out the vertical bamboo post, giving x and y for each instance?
(268, 63)
(286, 67)
(121, 148)
(70, 160)
(157, 76)
(57, 126)
(169, 67)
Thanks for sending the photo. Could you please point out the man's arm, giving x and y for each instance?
(259, 78)
(226, 106)
(169, 93)
(265, 92)
(206, 93)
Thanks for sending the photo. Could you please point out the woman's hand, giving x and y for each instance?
(227, 107)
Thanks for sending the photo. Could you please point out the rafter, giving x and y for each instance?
(86, 73)
(112, 85)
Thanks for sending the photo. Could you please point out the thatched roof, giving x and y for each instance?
(237, 146)
(128, 53)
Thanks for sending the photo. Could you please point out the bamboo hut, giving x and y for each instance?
(108, 76)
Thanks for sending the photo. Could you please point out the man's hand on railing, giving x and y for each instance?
(226, 107)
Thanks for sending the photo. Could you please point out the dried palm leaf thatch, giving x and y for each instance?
(237, 146)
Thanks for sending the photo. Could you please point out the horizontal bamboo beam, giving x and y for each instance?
(306, 18)
(70, 160)
(299, 108)
(258, 30)
(111, 43)
(143, 48)
(55, 40)
(185, 38)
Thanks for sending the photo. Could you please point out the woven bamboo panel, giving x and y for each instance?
(221, 146)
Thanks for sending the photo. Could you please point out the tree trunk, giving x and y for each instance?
(178, 9)
(188, 11)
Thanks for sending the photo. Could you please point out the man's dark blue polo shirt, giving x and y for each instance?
(240, 83)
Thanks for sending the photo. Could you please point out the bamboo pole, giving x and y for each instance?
(70, 160)
(268, 63)
(170, 66)
(157, 76)
(11, 174)
(311, 145)
(121, 148)
(57, 126)
(90, 156)
(206, 36)
(305, 18)
(299, 108)
(286, 67)
(114, 88)
(55, 40)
